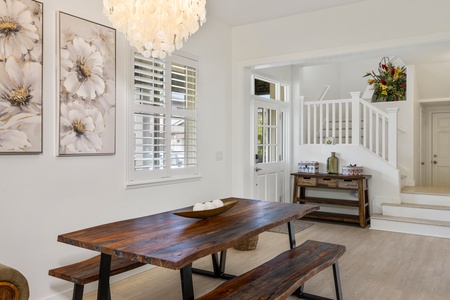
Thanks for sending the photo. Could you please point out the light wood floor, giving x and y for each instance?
(377, 266)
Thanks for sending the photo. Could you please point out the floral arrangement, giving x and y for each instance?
(390, 82)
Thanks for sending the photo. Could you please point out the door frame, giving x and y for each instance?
(426, 167)
(286, 105)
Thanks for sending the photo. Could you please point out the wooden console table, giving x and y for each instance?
(338, 182)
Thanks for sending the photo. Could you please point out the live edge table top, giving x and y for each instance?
(173, 242)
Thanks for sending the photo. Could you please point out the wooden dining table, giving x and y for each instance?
(175, 242)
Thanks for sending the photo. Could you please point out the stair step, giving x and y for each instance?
(410, 225)
(419, 211)
(426, 199)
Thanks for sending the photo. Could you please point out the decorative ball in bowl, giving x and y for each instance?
(208, 211)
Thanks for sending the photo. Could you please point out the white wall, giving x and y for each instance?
(42, 196)
(340, 31)
(315, 80)
(433, 80)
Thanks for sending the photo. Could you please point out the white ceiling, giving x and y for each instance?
(242, 12)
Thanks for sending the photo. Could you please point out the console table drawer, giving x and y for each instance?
(306, 181)
(348, 183)
(328, 182)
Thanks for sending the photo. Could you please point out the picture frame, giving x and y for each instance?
(21, 77)
(86, 74)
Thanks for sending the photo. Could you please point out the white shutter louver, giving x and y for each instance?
(164, 117)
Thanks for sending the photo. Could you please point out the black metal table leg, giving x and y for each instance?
(337, 281)
(223, 260)
(218, 267)
(104, 274)
(291, 231)
(187, 286)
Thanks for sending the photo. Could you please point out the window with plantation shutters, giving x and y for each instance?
(163, 142)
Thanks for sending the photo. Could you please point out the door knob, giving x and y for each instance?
(434, 162)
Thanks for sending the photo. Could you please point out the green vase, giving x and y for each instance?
(333, 164)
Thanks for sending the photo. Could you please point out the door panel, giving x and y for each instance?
(269, 141)
(441, 150)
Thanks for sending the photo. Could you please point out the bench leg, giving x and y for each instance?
(77, 292)
(337, 281)
(337, 285)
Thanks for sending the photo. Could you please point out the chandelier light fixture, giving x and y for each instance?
(156, 27)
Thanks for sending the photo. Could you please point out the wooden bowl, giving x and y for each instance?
(203, 214)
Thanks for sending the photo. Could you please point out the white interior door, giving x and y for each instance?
(269, 142)
(441, 150)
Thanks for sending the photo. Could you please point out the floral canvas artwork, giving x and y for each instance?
(87, 96)
(20, 76)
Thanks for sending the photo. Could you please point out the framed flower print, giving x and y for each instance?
(20, 76)
(86, 87)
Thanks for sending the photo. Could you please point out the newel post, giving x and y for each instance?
(356, 118)
(392, 139)
(303, 121)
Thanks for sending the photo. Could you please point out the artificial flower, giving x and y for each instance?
(18, 34)
(81, 128)
(85, 77)
(390, 82)
(20, 88)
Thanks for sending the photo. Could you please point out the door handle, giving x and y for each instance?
(434, 162)
(258, 169)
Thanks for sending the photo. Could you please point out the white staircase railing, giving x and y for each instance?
(351, 121)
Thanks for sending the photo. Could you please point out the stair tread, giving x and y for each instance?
(410, 220)
(426, 190)
(418, 206)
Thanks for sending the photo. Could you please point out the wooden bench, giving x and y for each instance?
(283, 275)
(87, 271)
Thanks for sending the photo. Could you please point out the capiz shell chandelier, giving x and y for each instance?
(156, 27)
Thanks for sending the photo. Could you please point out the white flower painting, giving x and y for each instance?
(87, 96)
(20, 76)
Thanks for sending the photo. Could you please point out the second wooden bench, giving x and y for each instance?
(283, 275)
(87, 271)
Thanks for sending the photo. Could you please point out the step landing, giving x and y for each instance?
(426, 195)
(410, 225)
(417, 211)
(423, 211)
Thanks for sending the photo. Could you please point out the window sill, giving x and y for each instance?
(162, 181)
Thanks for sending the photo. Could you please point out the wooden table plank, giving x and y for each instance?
(173, 242)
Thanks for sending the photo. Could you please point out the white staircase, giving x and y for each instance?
(422, 214)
